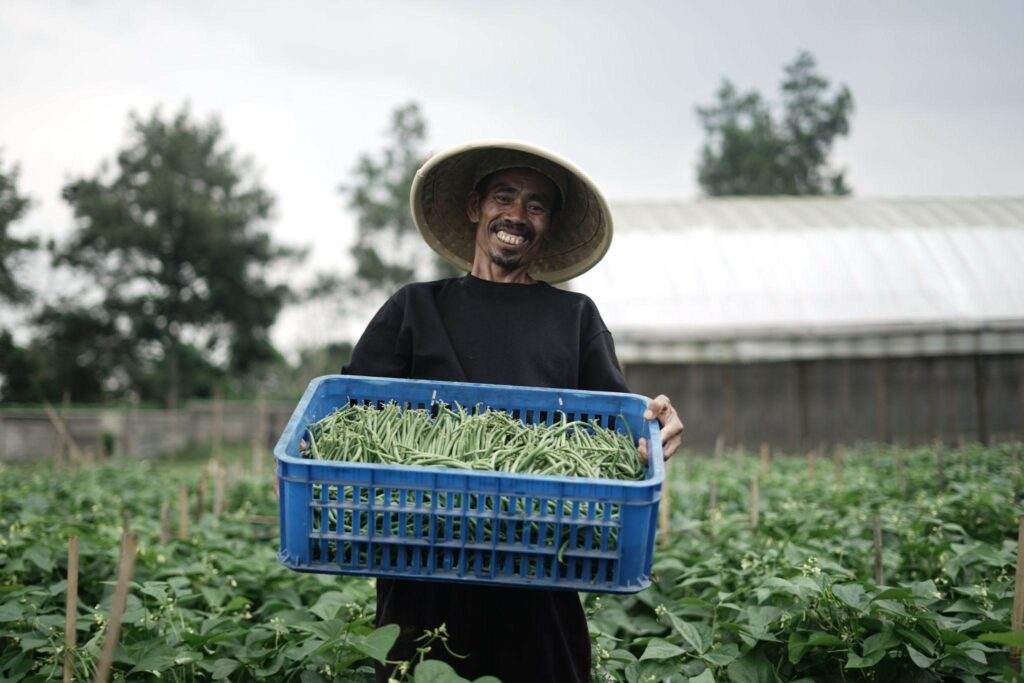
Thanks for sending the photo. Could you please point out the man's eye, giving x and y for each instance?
(502, 198)
(539, 209)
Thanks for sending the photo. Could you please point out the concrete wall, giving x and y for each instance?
(792, 405)
(26, 434)
(797, 405)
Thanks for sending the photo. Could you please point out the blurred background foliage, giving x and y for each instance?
(179, 282)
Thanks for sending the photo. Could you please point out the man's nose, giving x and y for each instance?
(516, 211)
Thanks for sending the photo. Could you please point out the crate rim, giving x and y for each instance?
(656, 463)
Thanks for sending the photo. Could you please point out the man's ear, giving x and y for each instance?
(473, 207)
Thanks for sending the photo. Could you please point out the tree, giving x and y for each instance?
(175, 239)
(749, 152)
(389, 251)
(12, 207)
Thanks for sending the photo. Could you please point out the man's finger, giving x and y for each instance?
(658, 406)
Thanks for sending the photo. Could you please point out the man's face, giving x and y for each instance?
(512, 216)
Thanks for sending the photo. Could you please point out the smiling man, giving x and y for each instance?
(516, 218)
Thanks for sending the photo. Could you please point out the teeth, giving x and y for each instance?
(507, 238)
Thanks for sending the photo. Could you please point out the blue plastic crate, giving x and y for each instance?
(462, 525)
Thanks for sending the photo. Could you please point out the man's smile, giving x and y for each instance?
(512, 235)
(510, 239)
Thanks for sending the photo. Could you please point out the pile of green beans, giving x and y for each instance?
(488, 440)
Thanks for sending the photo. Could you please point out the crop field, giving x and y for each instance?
(783, 581)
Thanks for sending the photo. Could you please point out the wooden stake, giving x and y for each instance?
(713, 507)
(901, 473)
(766, 456)
(812, 464)
(719, 446)
(117, 605)
(71, 610)
(182, 513)
(837, 469)
(200, 497)
(663, 510)
(126, 527)
(940, 467)
(219, 486)
(755, 503)
(165, 522)
(1017, 618)
(878, 550)
(62, 431)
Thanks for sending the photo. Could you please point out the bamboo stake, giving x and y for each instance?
(71, 610)
(1017, 619)
(878, 550)
(755, 503)
(940, 467)
(766, 456)
(200, 497)
(663, 510)
(220, 482)
(837, 469)
(117, 605)
(62, 431)
(126, 527)
(182, 513)
(812, 464)
(719, 446)
(713, 506)
(901, 473)
(165, 522)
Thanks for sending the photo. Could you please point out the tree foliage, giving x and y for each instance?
(174, 235)
(388, 250)
(750, 151)
(13, 206)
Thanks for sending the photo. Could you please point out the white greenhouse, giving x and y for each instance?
(802, 321)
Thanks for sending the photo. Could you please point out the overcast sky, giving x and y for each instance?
(304, 87)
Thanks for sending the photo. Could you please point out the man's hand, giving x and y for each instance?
(671, 427)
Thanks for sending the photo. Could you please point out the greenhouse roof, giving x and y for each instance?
(772, 279)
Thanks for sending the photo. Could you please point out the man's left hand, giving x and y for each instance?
(671, 427)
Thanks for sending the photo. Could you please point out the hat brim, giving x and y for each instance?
(581, 230)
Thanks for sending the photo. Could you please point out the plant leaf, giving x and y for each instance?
(378, 643)
(436, 671)
(658, 649)
(918, 658)
(752, 667)
(1011, 638)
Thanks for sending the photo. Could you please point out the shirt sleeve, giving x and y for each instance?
(379, 351)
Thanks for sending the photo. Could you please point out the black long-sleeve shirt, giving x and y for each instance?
(473, 330)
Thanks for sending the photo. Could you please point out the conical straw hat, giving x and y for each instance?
(581, 230)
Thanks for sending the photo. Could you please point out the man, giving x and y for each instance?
(516, 218)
